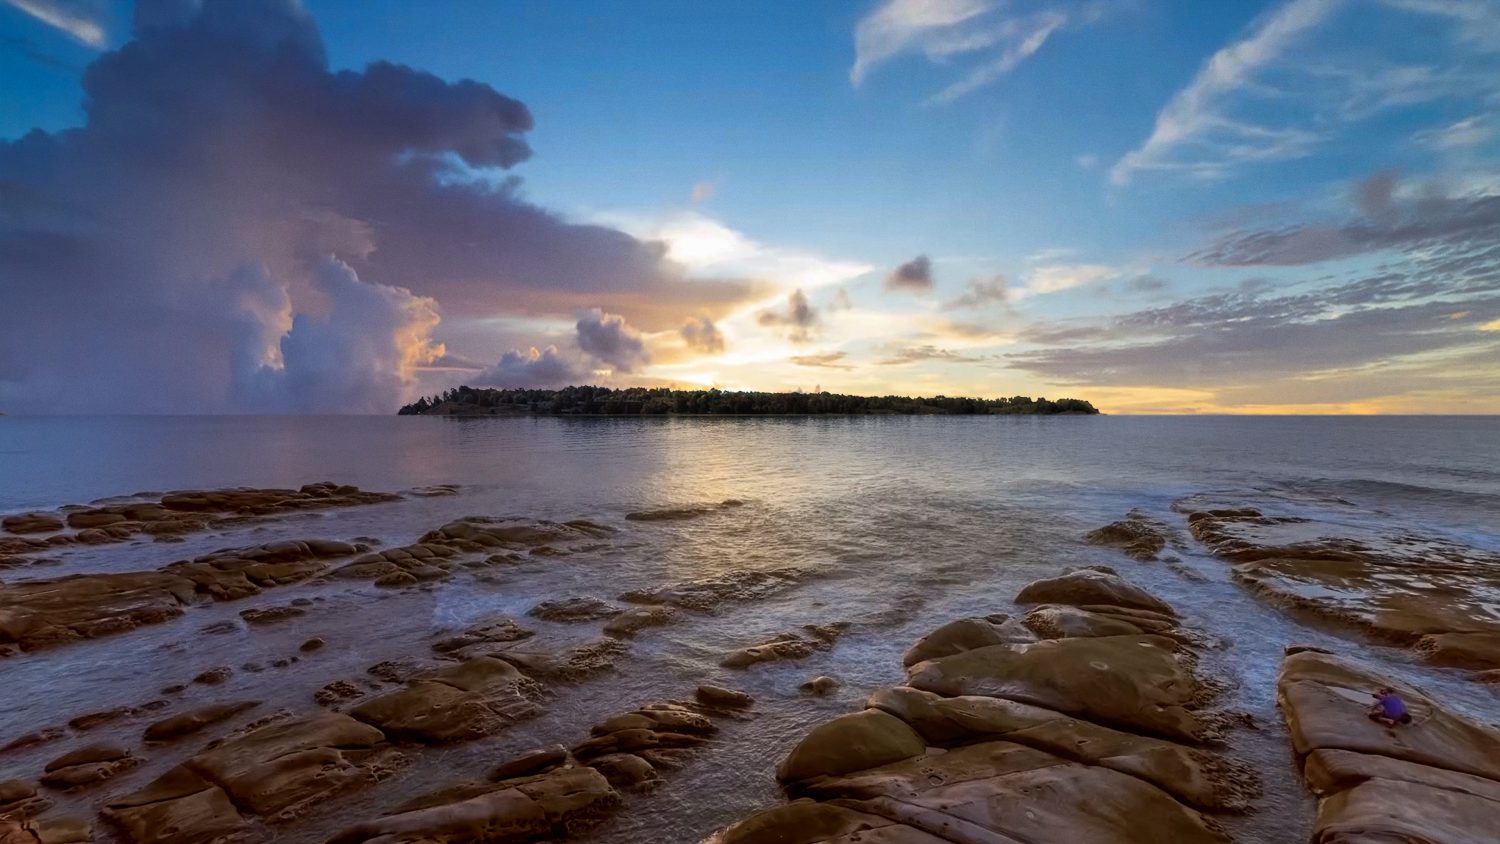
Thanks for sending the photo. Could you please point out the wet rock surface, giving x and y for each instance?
(1434, 780)
(271, 774)
(1137, 535)
(998, 737)
(678, 514)
(461, 702)
(1401, 588)
(792, 645)
(707, 593)
(37, 613)
(172, 515)
(552, 793)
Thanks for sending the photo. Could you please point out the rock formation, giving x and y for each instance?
(1093, 736)
(1435, 780)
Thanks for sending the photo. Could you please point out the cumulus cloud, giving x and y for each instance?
(914, 276)
(1220, 122)
(218, 138)
(532, 369)
(799, 317)
(81, 19)
(981, 292)
(945, 30)
(359, 357)
(610, 339)
(702, 335)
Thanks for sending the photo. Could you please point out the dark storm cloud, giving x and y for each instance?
(531, 369)
(701, 335)
(914, 276)
(799, 317)
(218, 147)
(1457, 226)
(980, 292)
(610, 339)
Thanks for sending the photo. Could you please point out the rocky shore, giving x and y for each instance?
(1083, 707)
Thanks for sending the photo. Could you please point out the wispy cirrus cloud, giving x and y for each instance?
(1194, 131)
(1287, 85)
(81, 19)
(985, 32)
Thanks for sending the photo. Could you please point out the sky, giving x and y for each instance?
(1161, 206)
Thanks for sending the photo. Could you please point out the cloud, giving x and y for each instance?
(1463, 230)
(1245, 345)
(799, 316)
(608, 338)
(81, 19)
(1054, 278)
(218, 138)
(1147, 284)
(706, 247)
(1195, 117)
(1468, 133)
(702, 335)
(1290, 65)
(943, 30)
(704, 191)
(981, 292)
(914, 276)
(921, 354)
(841, 301)
(531, 369)
(1025, 37)
(826, 360)
(358, 358)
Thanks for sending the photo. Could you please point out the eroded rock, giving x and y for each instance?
(967, 634)
(461, 702)
(800, 645)
(1435, 780)
(192, 721)
(1001, 739)
(1095, 585)
(632, 621)
(555, 805)
(272, 773)
(709, 592)
(575, 609)
(1137, 535)
(1397, 587)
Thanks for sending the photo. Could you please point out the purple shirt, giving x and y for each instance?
(1391, 706)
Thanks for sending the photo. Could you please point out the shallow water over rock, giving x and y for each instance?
(895, 526)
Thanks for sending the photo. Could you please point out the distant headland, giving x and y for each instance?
(661, 401)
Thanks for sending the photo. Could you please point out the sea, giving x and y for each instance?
(899, 524)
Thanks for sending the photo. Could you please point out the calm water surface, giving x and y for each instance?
(902, 523)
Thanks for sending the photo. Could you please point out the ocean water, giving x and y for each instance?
(900, 523)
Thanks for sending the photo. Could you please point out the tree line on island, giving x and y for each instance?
(662, 401)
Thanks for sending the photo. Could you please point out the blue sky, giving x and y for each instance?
(1086, 173)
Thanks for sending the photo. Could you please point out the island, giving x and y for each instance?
(663, 401)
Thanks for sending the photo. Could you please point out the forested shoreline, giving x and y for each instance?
(662, 401)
